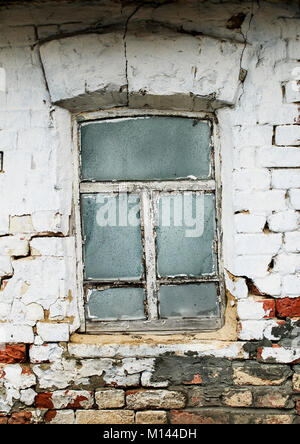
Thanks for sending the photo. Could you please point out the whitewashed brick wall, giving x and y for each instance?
(190, 58)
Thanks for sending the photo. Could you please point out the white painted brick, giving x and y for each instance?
(287, 263)
(56, 247)
(27, 396)
(50, 221)
(251, 266)
(34, 139)
(279, 157)
(286, 178)
(4, 311)
(287, 135)
(20, 224)
(86, 72)
(249, 223)
(283, 221)
(253, 135)
(252, 330)
(292, 242)
(8, 141)
(292, 92)
(252, 179)
(53, 332)
(285, 71)
(263, 202)
(270, 285)
(81, 399)
(236, 286)
(244, 157)
(295, 199)
(280, 355)
(294, 49)
(16, 333)
(41, 280)
(45, 353)
(257, 244)
(291, 285)
(14, 246)
(5, 266)
(153, 71)
(34, 312)
(249, 309)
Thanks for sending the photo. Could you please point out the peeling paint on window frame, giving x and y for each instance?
(159, 326)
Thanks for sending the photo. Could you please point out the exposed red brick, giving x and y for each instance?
(13, 354)
(20, 418)
(196, 380)
(44, 401)
(288, 308)
(269, 307)
(76, 403)
(50, 415)
(133, 392)
(3, 419)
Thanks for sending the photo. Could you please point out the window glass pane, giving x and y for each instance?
(185, 235)
(112, 236)
(145, 148)
(189, 301)
(116, 304)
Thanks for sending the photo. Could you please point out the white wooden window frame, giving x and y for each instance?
(149, 191)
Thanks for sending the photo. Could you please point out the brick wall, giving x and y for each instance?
(248, 372)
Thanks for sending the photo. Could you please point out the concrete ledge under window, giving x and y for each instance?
(228, 333)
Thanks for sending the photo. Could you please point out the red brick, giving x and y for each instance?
(13, 354)
(20, 418)
(44, 401)
(288, 308)
(269, 306)
(196, 380)
(3, 419)
(50, 415)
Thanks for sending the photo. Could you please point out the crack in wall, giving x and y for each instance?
(125, 48)
(243, 72)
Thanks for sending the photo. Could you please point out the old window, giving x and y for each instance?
(148, 200)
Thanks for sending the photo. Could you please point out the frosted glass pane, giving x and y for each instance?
(116, 304)
(189, 301)
(113, 239)
(185, 235)
(145, 148)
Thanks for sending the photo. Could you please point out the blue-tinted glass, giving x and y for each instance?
(145, 148)
(116, 304)
(185, 235)
(189, 301)
(112, 236)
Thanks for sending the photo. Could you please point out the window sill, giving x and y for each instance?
(227, 333)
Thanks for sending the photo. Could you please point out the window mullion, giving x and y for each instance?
(148, 221)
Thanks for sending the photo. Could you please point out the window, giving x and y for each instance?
(149, 212)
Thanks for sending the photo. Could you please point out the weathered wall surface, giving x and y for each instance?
(237, 59)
